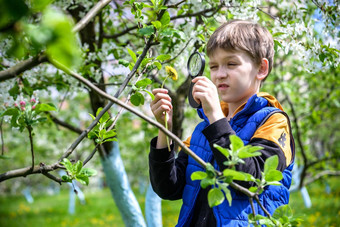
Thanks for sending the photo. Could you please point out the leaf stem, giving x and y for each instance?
(29, 128)
(166, 116)
(2, 137)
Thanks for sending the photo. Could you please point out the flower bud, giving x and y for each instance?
(33, 107)
(23, 108)
(22, 103)
(33, 100)
(15, 105)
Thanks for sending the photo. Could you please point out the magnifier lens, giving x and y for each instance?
(195, 64)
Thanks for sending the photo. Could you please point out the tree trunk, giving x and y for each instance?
(118, 183)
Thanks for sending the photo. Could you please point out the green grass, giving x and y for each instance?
(100, 209)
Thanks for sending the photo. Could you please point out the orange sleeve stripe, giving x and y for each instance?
(187, 142)
(276, 129)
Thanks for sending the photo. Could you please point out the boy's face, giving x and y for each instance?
(235, 76)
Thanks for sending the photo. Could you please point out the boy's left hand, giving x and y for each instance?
(205, 93)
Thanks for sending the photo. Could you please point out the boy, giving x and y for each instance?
(241, 57)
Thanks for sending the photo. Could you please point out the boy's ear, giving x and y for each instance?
(263, 69)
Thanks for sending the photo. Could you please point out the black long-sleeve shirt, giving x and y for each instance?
(167, 173)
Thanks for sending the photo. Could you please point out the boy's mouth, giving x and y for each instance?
(222, 86)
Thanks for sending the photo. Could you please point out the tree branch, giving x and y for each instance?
(52, 177)
(64, 124)
(91, 155)
(262, 207)
(322, 174)
(299, 140)
(90, 15)
(22, 67)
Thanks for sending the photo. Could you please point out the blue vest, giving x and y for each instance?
(244, 123)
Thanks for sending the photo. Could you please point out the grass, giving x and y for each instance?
(100, 209)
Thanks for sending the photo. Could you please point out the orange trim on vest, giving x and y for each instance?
(276, 129)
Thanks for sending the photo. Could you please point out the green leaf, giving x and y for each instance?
(143, 83)
(64, 47)
(124, 62)
(88, 172)
(132, 54)
(42, 107)
(165, 20)
(11, 112)
(147, 31)
(135, 99)
(157, 24)
(151, 95)
(78, 166)
(224, 151)
(83, 179)
(198, 175)
(109, 134)
(93, 117)
(39, 5)
(12, 11)
(253, 189)
(237, 175)
(67, 164)
(66, 178)
(215, 197)
(207, 182)
(111, 139)
(4, 157)
(249, 151)
(273, 175)
(227, 193)
(163, 57)
(276, 183)
(158, 65)
(102, 133)
(236, 143)
(271, 164)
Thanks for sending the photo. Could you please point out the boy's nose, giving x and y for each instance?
(221, 73)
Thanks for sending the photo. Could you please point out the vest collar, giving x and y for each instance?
(254, 103)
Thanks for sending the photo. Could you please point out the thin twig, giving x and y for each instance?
(64, 98)
(2, 137)
(29, 128)
(262, 207)
(52, 177)
(90, 15)
(177, 4)
(91, 155)
(252, 205)
(64, 124)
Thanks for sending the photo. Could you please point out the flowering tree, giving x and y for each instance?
(96, 49)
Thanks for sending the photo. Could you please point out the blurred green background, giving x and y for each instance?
(100, 210)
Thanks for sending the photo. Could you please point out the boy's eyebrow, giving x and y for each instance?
(225, 58)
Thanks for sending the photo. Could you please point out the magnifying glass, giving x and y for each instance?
(196, 64)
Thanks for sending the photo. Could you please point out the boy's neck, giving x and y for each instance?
(234, 109)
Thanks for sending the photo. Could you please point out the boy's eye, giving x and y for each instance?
(213, 67)
(232, 64)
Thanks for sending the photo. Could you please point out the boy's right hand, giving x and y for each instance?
(160, 105)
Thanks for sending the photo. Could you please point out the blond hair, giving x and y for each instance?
(242, 35)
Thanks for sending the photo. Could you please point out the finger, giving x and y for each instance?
(200, 78)
(161, 105)
(160, 96)
(159, 90)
